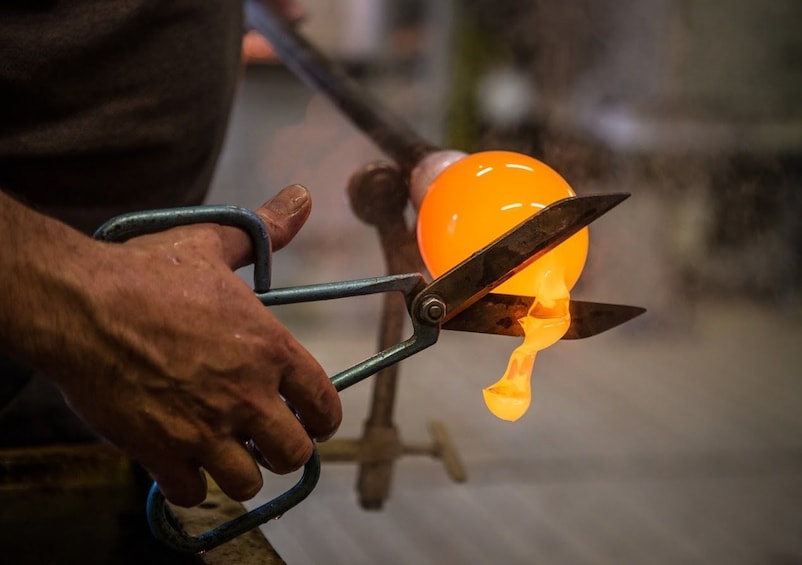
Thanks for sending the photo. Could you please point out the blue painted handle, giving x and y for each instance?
(165, 528)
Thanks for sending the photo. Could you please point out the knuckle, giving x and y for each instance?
(294, 459)
(184, 487)
(335, 414)
(245, 490)
(329, 408)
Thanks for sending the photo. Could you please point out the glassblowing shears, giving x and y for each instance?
(460, 299)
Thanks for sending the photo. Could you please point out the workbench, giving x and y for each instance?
(85, 504)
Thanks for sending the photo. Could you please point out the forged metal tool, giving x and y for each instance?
(387, 130)
(432, 306)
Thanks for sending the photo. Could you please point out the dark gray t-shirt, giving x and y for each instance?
(114, 105)
(107, 106)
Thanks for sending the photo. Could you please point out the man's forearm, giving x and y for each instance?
(46, 266)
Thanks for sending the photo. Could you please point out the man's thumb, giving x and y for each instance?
(284, 215)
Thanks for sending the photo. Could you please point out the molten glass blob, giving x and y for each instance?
(480, 197)
(471, 203)
(546, 322)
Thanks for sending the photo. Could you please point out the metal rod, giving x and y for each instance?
(424, 336)
(389, 132)
(404, 283)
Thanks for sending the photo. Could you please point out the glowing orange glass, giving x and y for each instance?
(470, 204)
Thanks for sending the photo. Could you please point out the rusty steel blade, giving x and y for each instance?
(512, 252)
(499, 314)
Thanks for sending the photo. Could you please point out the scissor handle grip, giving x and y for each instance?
(135, 224)
(409, 284)
(165, 528)
(162, 522)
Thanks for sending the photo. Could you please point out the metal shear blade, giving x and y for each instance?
(499, 314)
(434, 304)
(474, 278)
(469, 304)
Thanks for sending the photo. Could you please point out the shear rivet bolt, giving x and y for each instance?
(433, 309)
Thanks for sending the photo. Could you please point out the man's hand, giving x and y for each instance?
(168, 354)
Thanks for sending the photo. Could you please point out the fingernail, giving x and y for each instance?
(290, 200)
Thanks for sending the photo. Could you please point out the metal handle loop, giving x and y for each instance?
(134, 224)
(164, 526)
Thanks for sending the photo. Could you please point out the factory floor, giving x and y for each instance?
(674, 439)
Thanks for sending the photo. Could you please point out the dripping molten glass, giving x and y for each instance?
(471, 203)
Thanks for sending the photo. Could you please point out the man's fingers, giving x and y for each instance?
(181, 482)
(310, 392)
(284, 215)
(233, 469)
(282, 440)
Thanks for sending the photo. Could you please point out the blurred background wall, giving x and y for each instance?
(674, 439)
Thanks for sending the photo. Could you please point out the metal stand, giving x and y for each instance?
(379, 196)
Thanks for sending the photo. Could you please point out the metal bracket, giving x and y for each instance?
(379, 195)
